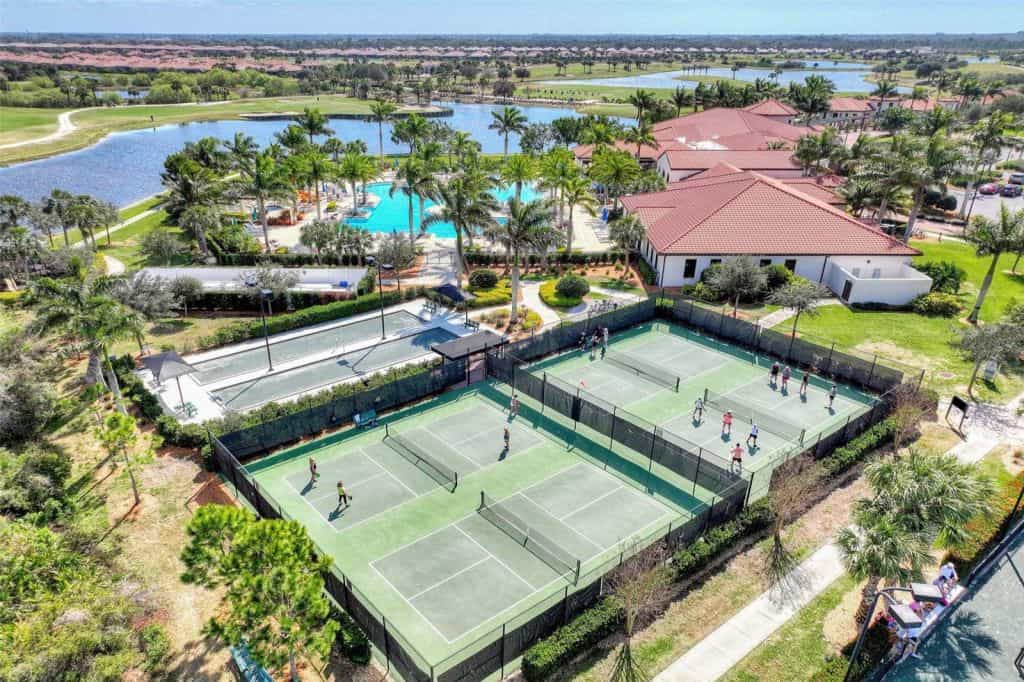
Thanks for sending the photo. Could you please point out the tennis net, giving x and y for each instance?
(645, 370)
(542, 547)
(444, 475)
(754, 415)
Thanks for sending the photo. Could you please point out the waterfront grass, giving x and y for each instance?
(18, 124)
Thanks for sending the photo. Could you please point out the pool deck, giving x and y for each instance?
(202, 396)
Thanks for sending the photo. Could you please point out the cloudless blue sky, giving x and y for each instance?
(511, 16)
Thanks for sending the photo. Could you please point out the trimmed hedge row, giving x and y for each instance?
(295, 260)
(704, 550)
(558, 258)
(220, 300)
(844, 457)
(552, 653)
(553, 299)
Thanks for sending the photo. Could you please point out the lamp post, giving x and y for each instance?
(380, 287)
(264, 295)
(886, 592)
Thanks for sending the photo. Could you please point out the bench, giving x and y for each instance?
(366, 418)
(189, 409)
(472, 324)
(430, 306)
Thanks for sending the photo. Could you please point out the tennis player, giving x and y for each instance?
(786, 373)
(508, 438)
(774, 374)
(831, 396)
(753, 435)
(343, 496)
(737, 459)
(513, 406)
(803, 384)
(698, 409)
(313, 473)
(727, 423)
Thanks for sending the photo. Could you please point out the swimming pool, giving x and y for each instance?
(392, 213)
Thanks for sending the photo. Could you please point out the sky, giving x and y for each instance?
(589, 17)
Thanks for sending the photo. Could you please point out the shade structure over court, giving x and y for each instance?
(166, 366)
(465, 346)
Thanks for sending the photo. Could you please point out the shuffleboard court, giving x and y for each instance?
(443, 570)
(253, 392)
(333, 340)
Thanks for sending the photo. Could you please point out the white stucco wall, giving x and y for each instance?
(228, 278)
(672, 268)
(888, 280)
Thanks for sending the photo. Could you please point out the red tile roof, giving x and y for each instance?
(770, 160)
(740, 212)
(726, 129)
(584, 151)
(849, 104)
(771, 107)
(821, 188)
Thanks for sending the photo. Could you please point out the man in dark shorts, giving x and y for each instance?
(774, 374)
(313, 473)
(343, 497)
(737, 460)
(508, 439)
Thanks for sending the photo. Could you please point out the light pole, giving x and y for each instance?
(905, 618)
(264, 295)
(380, 287)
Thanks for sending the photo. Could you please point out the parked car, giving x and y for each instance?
(1012, 191)
(990, 188)
(1017, 178)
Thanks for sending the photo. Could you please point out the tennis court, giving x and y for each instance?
(251, 393)
(294, 347)
(449, 535)
(643, 367)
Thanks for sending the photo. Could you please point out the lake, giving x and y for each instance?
(125, 167)
(845, 81)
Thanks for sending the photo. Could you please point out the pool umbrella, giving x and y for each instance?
(166, 366)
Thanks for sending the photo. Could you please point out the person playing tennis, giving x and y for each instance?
(343, 497)
(803, 384)
(773, 376)
(737, 459)
(513, 406)
(727, 423)
(831, 396)
(786, 373)
(508, 438)
(753, 435)
(313, 473)
(698, 410)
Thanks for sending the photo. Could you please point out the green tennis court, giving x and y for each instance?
(696, 363)
(441, 569)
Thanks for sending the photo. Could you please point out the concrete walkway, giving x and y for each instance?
(531, 299)
(783, 314)
(714, 655)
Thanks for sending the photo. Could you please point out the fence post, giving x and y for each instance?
(387, 647)
(611, 436)
(721, 322)
(871, 374)
(757, 340)
(696, 474)
(750, 488)
(831, 350)
(543, 392)
(503, 650)
(565, 606)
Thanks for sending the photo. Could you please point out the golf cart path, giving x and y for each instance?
(64, 127)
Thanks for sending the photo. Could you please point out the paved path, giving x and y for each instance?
(114, 266)
(714, 655)
(114, 228)
(783, 314)
(64, 127)
(531, 299)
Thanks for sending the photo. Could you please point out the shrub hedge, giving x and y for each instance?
(704, 550)
(483, 279)
(846, 456)
(558, 258)
(982, 531)
(500, 294)
(936, 304)
(572, 286)
(549, 294)
(552, 653)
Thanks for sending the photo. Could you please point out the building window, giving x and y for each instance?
(690, 268)
(791, 264)
(765, 262)
(715, 261)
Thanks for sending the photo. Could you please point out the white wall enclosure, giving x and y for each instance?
(877, 280)
(232, 278)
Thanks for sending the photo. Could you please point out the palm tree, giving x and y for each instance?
(680, 98)
(319, 167)
(519, 170)
(381, 112)
(627, 231)
(82, 308)
(859, 193)
(527, 228)
(466, 202)
(507, 121)
(994, 238)
(293, 138)
(356, 168)
(190, 184)
(576, 192)
(462, 145)
(615, 170)
(241, 149)
(940, 160)
(894, 168)
(58, 204)
(599, 134)
(261, 179)
(884, 89)
(987, 135)
(334, 147)
(642, 100)
(314, 123)
(640, 134)
(409, 175)
(197, 220)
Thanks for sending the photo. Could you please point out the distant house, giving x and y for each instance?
(848, 111)
(678, 164)
(726, 212)
(648, 155)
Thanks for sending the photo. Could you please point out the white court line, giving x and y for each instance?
(397, 480)
(330, 493)
(452, 576)
(493, 556)
(592, 502)
(411, 606)
(317, 511)
(535, 504)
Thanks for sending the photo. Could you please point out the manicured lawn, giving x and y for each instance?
(74, 236)
(127, 241)
(575, 71)
(928, 343)
(797, 649)
(615, 284)
(18, 124)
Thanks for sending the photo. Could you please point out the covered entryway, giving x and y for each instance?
(472, 349)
